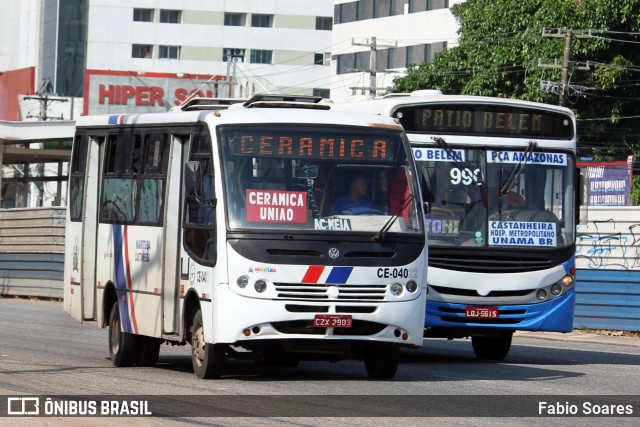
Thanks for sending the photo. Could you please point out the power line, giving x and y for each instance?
(608, 118)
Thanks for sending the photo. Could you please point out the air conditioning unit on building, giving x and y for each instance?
(232, 54)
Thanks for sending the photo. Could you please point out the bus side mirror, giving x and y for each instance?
(193, 179)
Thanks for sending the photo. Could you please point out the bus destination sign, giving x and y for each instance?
(481, 119)
(356, 147)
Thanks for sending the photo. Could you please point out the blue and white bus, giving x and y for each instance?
(499, 182)
(214, 228)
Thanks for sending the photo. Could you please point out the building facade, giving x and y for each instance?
(225, 48)
(148, 55)
(376, 40)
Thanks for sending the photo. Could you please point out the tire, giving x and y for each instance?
(382, 363)
(149, 350)
(492, 348)
(207, 359)
(123, 346)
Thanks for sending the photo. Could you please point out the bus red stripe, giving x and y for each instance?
(313, 274)
(134, 323)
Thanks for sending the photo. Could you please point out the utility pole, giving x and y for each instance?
(44, 106)
(565, 67)
(373, 59)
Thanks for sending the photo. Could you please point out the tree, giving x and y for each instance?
(501, 45)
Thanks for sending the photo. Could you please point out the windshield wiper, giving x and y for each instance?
(387, 226)
(515, 172)
(461, 164)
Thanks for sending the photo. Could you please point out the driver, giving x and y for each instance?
(357, 199)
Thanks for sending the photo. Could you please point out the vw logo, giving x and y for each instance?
(334, 253)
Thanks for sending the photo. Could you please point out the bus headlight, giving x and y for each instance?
(396, 289)
(556, 289)
(567, 281)
(541, 294)
(412, 286)
(242, 281)
(260, 286)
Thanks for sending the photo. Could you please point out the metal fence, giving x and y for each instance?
(608, 261)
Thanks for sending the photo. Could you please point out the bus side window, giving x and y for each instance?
(77, 175)
(118, 184)
(151, 183)
(117, 200)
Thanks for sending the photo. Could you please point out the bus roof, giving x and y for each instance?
(242, 115)
(387, 105)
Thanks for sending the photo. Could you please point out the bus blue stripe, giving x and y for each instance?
(121, 279)
(339, 275)
(113, 120)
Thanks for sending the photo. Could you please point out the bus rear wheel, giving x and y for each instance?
(122, 345)
(492, 348)
(382, 363)
(207, 359)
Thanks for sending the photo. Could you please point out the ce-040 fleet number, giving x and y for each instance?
(397, 273)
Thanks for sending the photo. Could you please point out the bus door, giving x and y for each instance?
(198, 251)
(89, 225)
(81, 252)
(173, 221)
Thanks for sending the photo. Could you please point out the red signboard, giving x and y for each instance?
(145, 92)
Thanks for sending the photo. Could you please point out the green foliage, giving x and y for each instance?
(635, 190)
(501, 47)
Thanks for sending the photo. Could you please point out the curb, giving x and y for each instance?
(578, 336)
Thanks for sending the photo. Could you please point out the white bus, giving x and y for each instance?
(499, 182)
(215, 228)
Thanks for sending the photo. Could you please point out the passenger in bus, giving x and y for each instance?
(511, 200)
(356, 201)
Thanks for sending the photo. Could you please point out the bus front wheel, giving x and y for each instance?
(382, 363)
(122, 345)
(492, 348)
(207, 359)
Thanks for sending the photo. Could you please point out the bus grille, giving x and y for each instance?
(322, 292)
(472, 293)
(484, 262)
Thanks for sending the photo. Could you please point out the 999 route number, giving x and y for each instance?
(397, 273)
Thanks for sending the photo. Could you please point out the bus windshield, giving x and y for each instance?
(498, 197)
(301, 178)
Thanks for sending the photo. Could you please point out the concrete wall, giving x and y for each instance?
(32, 252)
